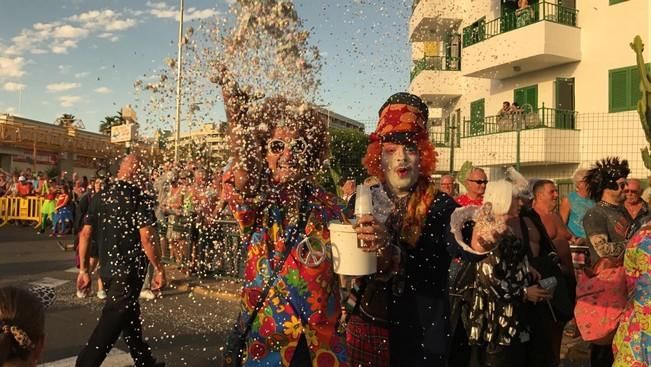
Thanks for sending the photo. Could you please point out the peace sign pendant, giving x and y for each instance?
(308, 255)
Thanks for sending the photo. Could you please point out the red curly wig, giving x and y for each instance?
(426, 162)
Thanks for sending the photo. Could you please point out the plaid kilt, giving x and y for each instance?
(368, 344)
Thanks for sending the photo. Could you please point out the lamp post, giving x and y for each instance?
(179, 63)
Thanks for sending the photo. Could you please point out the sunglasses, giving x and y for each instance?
(629, 191)
(278, 146)
(479, 182)
(616, 185)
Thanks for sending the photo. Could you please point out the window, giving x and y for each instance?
(477, 117)
(527, 98)
(624, 88)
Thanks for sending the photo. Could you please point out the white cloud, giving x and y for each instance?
(60, 36)
(68, 31)
(83, 74)
(102, 90)
(115, 39)
(10, 110)
(105, 35)
(63, 68)
(163, 10)
(13, 87)
(11, 67)
(69, 101)
(61, 87)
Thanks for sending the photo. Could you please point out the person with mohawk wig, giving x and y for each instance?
(607, 226)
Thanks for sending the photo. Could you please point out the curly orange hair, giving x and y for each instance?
(426, 163)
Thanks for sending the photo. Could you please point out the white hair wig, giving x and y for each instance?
(500, 194)
(579, 175)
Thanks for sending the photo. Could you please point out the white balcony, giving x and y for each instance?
(508, 46)
(436, 81)
(433, 19)
(547, 136)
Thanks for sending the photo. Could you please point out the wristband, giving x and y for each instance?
(83, 271)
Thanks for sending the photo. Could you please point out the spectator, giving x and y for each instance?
(348, 193)
(505, 110)
(123, 222)
(637, 208)
(24, 187)
(446, 185)
(475, 183)
(573, 207)
(64, 213)
(4, 184)
(93, 253)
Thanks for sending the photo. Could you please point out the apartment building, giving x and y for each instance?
(37, 145)
(566, 63)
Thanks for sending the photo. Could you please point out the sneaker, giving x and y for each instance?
(81, 294)
(147, 294)
(101, 294)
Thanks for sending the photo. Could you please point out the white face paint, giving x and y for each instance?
(400, 166)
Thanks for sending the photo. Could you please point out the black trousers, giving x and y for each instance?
(120, 315)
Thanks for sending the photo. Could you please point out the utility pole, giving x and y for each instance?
(179, 63)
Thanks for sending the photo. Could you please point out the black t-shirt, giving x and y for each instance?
(116, 215)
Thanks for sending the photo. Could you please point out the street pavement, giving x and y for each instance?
(185, 327)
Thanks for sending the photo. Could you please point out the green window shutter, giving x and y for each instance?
(613, 2)
(477, 116)
(619, 90)
(519, 96)
(531, 97)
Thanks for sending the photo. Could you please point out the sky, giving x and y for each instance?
(83, 56)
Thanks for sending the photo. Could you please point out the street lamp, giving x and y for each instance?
(179, 63)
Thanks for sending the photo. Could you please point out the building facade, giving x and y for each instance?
(566, 63)
(40, 146)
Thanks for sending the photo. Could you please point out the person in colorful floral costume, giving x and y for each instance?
(278, 146)
(632, 343)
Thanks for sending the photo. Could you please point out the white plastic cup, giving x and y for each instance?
(347, 257)
(363, 201)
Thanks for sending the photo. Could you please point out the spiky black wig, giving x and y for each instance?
(604, 174)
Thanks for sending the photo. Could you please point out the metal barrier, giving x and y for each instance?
(20, 208)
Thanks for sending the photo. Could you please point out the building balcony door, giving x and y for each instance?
(564, 91)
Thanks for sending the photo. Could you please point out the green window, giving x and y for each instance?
(624, 88)
(527, 98)
(613, 2)
(477, 117)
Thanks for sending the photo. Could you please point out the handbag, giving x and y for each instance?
(236, 339)
(601, 300)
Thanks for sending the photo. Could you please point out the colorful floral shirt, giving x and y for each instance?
(632, 343)
(304, 300)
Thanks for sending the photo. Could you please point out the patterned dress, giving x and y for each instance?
(304, 300)
(632, 343)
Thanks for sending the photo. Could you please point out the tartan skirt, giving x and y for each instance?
(368, 344)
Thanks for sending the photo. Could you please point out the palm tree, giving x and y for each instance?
(110, 121)
(65, 120)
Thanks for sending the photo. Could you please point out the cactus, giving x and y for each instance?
(644, 104)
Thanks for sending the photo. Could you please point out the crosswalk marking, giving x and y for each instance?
(116, 358)
(49, 282)
(74, 269)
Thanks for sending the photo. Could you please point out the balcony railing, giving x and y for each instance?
(523, 120)
(435, 63)
(542, 11)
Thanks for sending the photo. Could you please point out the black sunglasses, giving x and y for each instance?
(479, 182)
